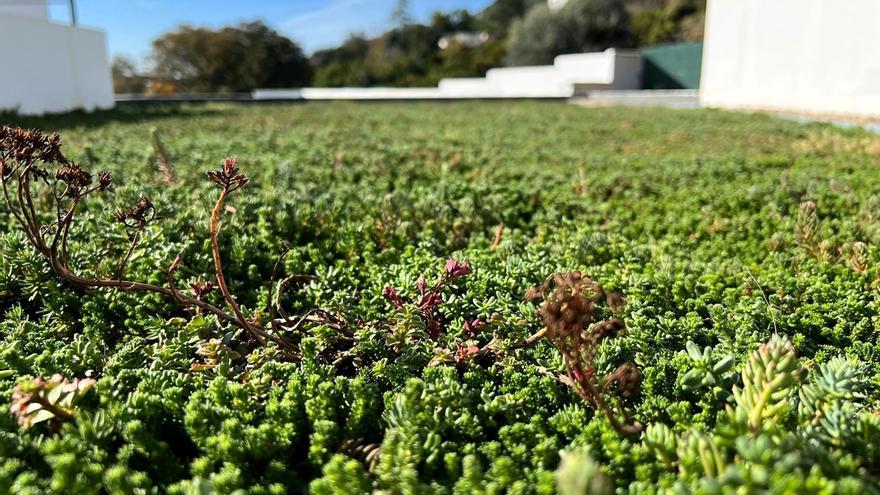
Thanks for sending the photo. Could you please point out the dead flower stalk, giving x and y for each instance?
(568, 312)
(26, 157)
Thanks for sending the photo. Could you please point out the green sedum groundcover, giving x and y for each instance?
(745, 247)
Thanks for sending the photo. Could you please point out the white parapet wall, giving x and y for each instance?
(804, 56)
(50, 67)
(533, 81)
(466, 87)
(346, 94)
(611, 69)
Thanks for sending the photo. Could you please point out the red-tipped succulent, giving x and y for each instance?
(430, 298)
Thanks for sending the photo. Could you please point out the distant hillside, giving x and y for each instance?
(655, 21)
(666, 21)
(498, 16)
(451, 44)
(409, 55)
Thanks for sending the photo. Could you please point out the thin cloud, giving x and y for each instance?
(332, 10)
(328, 25)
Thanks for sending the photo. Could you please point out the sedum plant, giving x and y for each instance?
(578, 474)
(695, 214)
(39, 400)
(708, 370)
(768, 379)
(33, 168)
(780, 431)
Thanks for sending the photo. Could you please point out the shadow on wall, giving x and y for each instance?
(674, 66)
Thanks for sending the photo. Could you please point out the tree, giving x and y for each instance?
(401, 16)
(535, 39)
(404, 56)
(498, 17)
(343, 66)
(126, 78)
(579, 26)
(672, 21)
(451, 22)
(463, 61)
(240, 58)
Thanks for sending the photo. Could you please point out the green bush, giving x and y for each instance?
(579, 26)
(238, 58)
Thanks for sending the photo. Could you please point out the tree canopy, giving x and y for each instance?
(579, 26)
(125, 76)
(408, 55)
(236, 58)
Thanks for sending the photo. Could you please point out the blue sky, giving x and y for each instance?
(132, 24)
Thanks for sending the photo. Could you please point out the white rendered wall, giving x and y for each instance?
(610, 69)
(597, 67)
(543, 80)
(811, 56)
(627, 70)
(464, 85)
(58, 68)
(37, 9)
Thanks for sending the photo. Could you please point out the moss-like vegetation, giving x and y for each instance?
(745, 248)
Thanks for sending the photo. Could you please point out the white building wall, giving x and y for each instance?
(34, 9)
(813, 56)
(57, 68)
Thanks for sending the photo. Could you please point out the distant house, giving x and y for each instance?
(556, 4)
(806, 56)
(50, 67)
(473, 39)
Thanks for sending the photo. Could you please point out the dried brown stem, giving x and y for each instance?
(282, 285)
(258, 333)
(530, 340)
(498, 234)
(163, 163)
(570, 303)
(218, 265)
(120, 268)
(21, 152)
